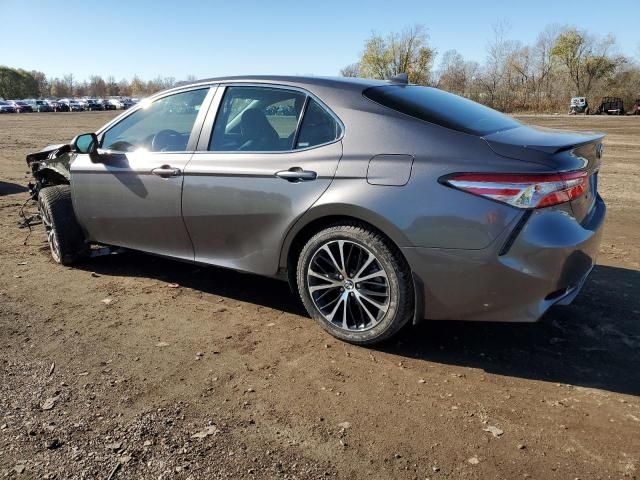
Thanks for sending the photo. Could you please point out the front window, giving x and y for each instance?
(441, 108)
(163, 126)
(258, 119)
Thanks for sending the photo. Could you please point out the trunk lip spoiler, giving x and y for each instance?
(545, 140)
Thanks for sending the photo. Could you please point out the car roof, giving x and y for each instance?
(294, 80)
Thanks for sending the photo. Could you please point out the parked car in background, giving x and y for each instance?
(106, 104)
(635, 110)
(39, 105)
(21, 106)
(58, 106)
(382, 203)
(76, 106)
(6, 107)
(121, 103)
(578, 105)
(611, 106)
(72, 104)
(91, 104)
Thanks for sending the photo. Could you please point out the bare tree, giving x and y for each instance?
(352, 70)
(586, 60)
(499, 50)
(97, 86)
(112, 87)
(124, 87)
(543, 64)
(42, 83)
(453, 73)
(68, 82)
(404, 52)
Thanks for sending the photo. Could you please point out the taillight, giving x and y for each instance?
(522, 190)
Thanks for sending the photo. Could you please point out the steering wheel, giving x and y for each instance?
(163, 139)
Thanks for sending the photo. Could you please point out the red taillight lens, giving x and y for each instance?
(523, 190)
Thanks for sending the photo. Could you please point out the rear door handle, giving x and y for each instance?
(166, 171)
(297, 174)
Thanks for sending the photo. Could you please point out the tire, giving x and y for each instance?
(64, 235)
(343, 305)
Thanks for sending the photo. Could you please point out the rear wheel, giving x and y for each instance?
(64, 235)
(355, 284)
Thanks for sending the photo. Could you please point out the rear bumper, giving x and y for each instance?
(547, 263)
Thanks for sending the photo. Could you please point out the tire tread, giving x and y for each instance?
(73, 246)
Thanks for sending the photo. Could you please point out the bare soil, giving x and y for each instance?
(108, 370)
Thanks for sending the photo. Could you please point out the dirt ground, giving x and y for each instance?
(108, 371)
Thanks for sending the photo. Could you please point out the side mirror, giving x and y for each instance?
(85, 143)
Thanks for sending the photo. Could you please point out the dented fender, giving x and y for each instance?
(50, 166)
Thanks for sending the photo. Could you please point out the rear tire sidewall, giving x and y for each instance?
(400, 291)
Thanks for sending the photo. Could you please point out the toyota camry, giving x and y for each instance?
(382, 203)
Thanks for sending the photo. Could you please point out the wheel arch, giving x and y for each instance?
(48, 176)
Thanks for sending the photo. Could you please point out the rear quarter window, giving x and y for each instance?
(441, 108)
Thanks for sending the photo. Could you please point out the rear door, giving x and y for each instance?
(269, 155)
(130, 194)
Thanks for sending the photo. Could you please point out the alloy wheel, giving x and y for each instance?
(348, 285)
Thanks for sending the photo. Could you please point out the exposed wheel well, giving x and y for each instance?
(48, 177)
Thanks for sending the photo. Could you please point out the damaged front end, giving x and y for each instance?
(50, 166)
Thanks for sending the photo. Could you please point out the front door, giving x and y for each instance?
(130, 195)
(269, 156)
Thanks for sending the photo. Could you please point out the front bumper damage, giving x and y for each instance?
(49, 166)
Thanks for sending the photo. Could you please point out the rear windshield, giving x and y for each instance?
(441, 108)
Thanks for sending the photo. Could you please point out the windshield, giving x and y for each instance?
(441, 108)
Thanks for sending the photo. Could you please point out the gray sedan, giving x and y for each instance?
(380, 202)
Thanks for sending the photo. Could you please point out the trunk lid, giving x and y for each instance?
(561, 151)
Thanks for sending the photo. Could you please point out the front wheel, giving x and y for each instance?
(64, 235)
(355, 283)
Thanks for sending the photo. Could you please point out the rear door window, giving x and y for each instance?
(318, 127)
(257, 119)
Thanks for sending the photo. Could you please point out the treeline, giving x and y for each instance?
(563, 62)
(18, 83)
(543, 76)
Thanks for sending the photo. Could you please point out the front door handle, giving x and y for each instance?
(297, 174)
(166, 171)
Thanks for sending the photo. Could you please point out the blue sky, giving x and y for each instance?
(207, 38)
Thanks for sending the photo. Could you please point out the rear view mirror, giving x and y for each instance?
(85, 143)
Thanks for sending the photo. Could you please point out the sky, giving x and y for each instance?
(178, 38)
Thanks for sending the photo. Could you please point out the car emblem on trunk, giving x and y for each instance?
(599, 150)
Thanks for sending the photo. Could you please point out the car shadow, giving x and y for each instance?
(595, 342)
(7, 188)
(223, 282)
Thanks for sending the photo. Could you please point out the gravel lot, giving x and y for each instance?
(110, 371)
